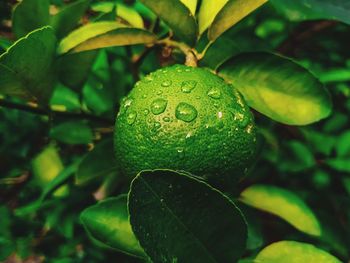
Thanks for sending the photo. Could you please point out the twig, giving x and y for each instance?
(191, 54)
(50, 112)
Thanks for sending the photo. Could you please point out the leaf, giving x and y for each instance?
(208, 11)
(314, 9)
(177, 217)
(65, 99)
(178, 17)
(278, 88)
(108, 223)
(343, 144)
(104, 34)
(294, 252)
(233, 12)
(339, 164)
(127, 13)
(20, 75)
(219, 52)
(68, 17)
(191, 5)
(97, 163)
(29, 15)
(74, 69)
(47, 165)
(72, 132)
(283, 204)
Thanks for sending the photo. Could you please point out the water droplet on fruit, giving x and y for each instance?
(145, 112)
(185, 112)
(127, 103)
(249, 129)
(214, 93)
(158, 106)
(144, 96)
(220, 114)
(166, 83)
(157, 125)
(216, 105)
(181, 152)
(166, 119)
(130, 119)
(148, 79)
(188, 86)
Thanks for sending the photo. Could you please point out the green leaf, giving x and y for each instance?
(339, 164)
(74, 69)
(343, 144)
(108, 223)
(233, 12)
(29, 15)
(219, 52)
(177, 217)
(97, 163)
(65, 99)
(294, 252)
(129, 14)
(283, 204)
(208, 11)
(47, 165)
(278, 88)
(314, 9)
(104, 34)
(72, 132)
(191, 5)
(27, 66)
(67, 18)
(178, 17)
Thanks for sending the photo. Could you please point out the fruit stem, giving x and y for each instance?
(191, 54)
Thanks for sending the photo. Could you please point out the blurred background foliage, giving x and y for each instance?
(53, 166)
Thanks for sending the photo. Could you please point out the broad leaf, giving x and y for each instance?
(339, 164)
(129, 14)
(72, 132)
(284, 204)
(47, 165)
(278, 88)
(294, 252)
(208, 11)
(74, 69)
(233, 12)
(178, 17)
(97, 163)
(67, 18)
(177, 217)
(343, 144)
(104, 34)
(108, 223)
(314, 9)
(20, 75)
(29, 15)
(191, 5)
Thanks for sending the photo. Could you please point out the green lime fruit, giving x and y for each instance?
(185, 119)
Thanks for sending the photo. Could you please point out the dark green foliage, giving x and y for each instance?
(65, 67)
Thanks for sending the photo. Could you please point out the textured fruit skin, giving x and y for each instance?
(157, 127)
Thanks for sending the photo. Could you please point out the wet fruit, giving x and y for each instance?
(188, 119)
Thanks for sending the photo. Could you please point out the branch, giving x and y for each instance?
(50, 112)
